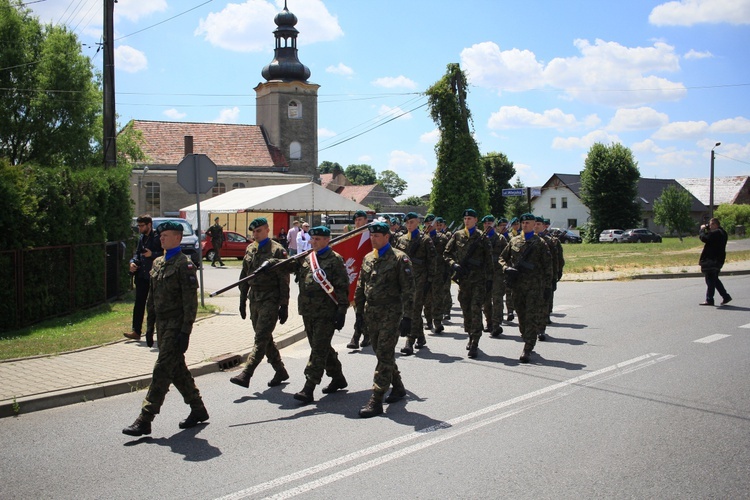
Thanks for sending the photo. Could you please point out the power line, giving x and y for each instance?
(730, 158)
(162, 22)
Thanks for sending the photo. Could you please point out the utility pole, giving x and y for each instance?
(711, 184)
(109, 116)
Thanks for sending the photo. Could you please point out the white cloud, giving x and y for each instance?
(134, 10)
(390, 82)
(248, 27)
(324, 133)
(676, 158)
(637, 119)
(431, 137)
(129, 59)
(174, 114)
(690, 12)
(677, 131)
(584, 142)
(694, 54)
(649, 146)
(604, 72)
(364, 159)
(739, 125)
(394, 112)
(229, 115)
(341, 69)
(515, 117)
(414, 169)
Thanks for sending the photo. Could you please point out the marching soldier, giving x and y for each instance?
(527, 265)
(447, 302)
(268, 293)
(493, 303)
(421, 253)
(384, 299)
(360, 219)
(469, 255)
(172, 306)
(558, 262)
(512, 229)
(396, 231)
(435, 299)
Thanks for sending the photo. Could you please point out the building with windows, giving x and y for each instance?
(282, 148)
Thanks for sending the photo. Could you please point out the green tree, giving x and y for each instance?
(672, 210)
(459, 180)
(731, 216)
(392, 183)
(609, 188)
(516, 205)
(498, 171)
(329, 167)
(413, 201)
(48, 94)
(361, 175)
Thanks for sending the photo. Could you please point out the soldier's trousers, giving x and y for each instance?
(509, 300)
(170, 368)
(383, 330)
(471, 297)
(447, 298)
(420, 293)
(493, 302)
(530, 307)
(323, 357)
(264, 315)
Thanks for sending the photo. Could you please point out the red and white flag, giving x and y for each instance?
(353, 250)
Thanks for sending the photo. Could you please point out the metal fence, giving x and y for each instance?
(41, 283)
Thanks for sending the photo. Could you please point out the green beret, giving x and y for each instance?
(502, 220)
(394, 220)
(256, 223)
(546, 221)
(320, 231)
(360, 213)
(380, 228)
(527, 216)
(470, 212)
(513, 221)
(488, 218)
(170, 225)
(429, 217)
(411, 215)
(440, 220)
(539, 219)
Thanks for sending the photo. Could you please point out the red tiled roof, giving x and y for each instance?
(356, 193)
(326, 179)
(225, 144)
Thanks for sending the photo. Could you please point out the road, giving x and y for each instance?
(639, 393)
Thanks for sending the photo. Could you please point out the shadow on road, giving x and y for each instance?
(185, 443)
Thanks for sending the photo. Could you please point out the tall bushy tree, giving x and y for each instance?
(329, 167)
(672, 210)
(361, 175)
(392, 183)
(516, 205)
(498, 171)
(459, 180)
(609, 187)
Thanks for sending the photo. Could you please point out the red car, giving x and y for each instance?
(234, 246)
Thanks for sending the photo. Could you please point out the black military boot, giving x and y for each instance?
(439, 328)
(373, 407)
(421, 342)
(487, 327)
(306, 394)
(365, 340)
(141, 426)
(337, 382)
(473, 345)
(511, 316)
(526, 354)
(354, 343)
(196, 416)
(398, 391)
(542, 337)
(278, 378)
(497, 332)
(408, 348)
(242, 378)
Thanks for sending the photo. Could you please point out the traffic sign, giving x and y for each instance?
(513, 192)
(196, 173)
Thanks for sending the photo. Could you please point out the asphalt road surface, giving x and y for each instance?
(639, 393)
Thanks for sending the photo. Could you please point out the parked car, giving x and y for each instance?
(611, 236)
(189, 244)
(566, 236)
(234, 246)
(642, 235)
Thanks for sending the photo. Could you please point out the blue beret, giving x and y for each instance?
(527, 216)
(380, 228)
(169, 226)
(470, 212)
(320, 231)
(256, 223)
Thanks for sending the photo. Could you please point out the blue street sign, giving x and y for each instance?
(514, 192)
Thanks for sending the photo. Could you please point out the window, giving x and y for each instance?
(219, 188)
(153, 198)
(294, 110)
(553, 202)
(564, 202)
(238, 185)
(572, 223)
(295, 151)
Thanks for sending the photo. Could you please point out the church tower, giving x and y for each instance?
(287, 104)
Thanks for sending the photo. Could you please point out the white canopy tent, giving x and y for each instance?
(304, 197)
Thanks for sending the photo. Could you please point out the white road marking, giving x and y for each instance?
(448, 429)
(711, 338)
(745, 326)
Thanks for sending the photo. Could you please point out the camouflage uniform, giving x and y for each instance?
(473, 284)
(266, 292)
(384, 295)
(421, 252)
(493, 302)
(556, 252)
(534, 277)
(172, 305)
(448, 296)
(437, 299)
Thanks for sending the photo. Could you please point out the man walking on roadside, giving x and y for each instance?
(148, 249)
(712, 260)
(172, 306)
(291, 237)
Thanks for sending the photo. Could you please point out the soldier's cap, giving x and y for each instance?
(502, 220)
(539, 219)
(488, 218)
(360, 213)
(546, 221)
(320, 231)
(527, 216)
(215, 219)
(411, 215)
(380, 228)
(429, 217)
(169, 226)
(258, 222)
(440, 220)
(470, 212)
(513, 221)
(394, 221)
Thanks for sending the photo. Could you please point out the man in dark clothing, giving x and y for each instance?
(216, 233)
(712, 260)
(148, 249)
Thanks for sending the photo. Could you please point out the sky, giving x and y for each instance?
(668, 79)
